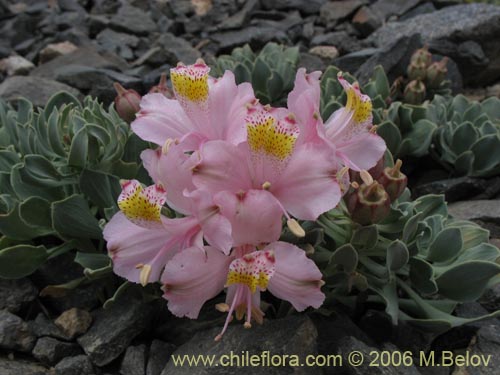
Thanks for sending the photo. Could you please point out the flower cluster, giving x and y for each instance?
(235, 172)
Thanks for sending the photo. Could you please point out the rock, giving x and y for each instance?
(275, 336)
(37, 90)
(43, 326)
(490, 300)
(159, 355)
(305, 7)
(50, 351)
(133, 20)
(311, 62)
(201, 7)
(344, 42)
(16, 294)
(325, 52)
(74, 322)
(79, 365)
(353, 61)
(253, 35)
(454, 189)
(119, 43)
(334, 11)
(487, 344)
(85, 56)
(366, 20)
(54, 50)
(417, 11)
(239, 19)
(134, 360)
(173, 50)
(113, 330)
(446, 29)
(484, 210)
(394, 58)
(386, 8)
(21, 367)
(16, 65)
(15, 333)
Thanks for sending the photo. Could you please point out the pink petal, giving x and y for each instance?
(161, 118)
(150, 160)
(193, 277)
(308, 186)
(255, 216)
(297, 279)
(362, 151)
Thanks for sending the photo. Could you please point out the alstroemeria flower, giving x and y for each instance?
(348, 130)
(205, 108)
(297, 179)
(141, 240)
(280, 267)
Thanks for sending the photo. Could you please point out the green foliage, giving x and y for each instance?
(467, 140)
(59, 170)
(271, 71)
(418, 263)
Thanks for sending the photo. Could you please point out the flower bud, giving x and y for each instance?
(378, 169)
(417, 70)
(393, 181)
(414, 92)
(126, 102)
(369, 204)
(162, 87)
(422, 56)
(436, 73)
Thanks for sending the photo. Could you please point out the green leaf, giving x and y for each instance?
(36, 212)
(92, 260)
(492, 108)
(345, 256)
(365, 237)
(486, 154)
(102, 189)
(397, 255)
(446, 246)
(58, 100)
(71, 217)
(417, 141)
(79, 149)
(391, 135)
(422, 276)
(21, 260)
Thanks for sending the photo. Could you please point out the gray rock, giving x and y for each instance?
(36, 89)
(491, 298)
(79, 365)
(20, 367)
(454, 189)
(387, 8)
(15, 333)
(311, 62)
(446, 29)
(334, 11)
(133, 20)
(16, 294)
(366, 20)
(74, 322)
(253, 35)
(353, 61)
(159, 354)
(394, 58)
(119, 43)
(113, 330)
(340, 39)
(417, 11)
(173, 49)
(50, 351)
(239, 19)
(484, 210)
(134, 361)
(294, 334)
(304, 6)
(43, 326)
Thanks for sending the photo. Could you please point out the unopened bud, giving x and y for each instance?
(378, 169)
(369, 204)
(162, 87)
(127, 102)
(436, 73)
(417, 70)
(414, 92)
(393, 181)
(422, 56)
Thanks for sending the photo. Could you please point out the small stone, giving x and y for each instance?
(74, 322)
(133, 20)
(490, 300)
(174, 50)
(159, 354)
(16, 65)
(387, 8)
(37, 90)
(484, 210)
(50, 351)
(16, 294)
(20, 367)
(79, 365)
(325, 52)
(333, 12)
(15, 333)
(43, 326)
(202, 7)
(134, 360)
(54, 50)
(119, 43)
(113, 330)
(344, 42)
(366, 21)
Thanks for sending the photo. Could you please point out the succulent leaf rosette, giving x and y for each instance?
(231, 173)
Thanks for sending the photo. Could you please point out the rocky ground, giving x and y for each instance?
(83, 46)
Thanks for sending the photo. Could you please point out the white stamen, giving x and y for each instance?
(145, 274)
(366, 177)
(166, 146)
(295, 228)
(266, 185)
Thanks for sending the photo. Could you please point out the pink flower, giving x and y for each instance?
(205, 108)
(141, 240)
(298, 179)
(347, 130)
(281, 268)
